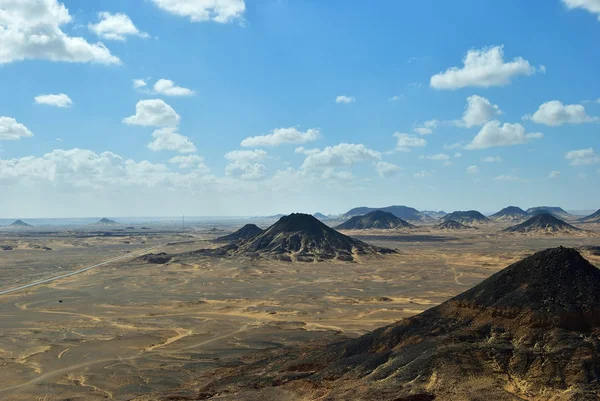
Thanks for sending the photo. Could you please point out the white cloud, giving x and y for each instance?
(190, 161)
(345, 99)
(344, 154)
(153, 112)
(303, 151)
(332, 175)
(554, 113)
(554, 174)
(11, 130)
(115, 27)
(472, 170)
(439, 157)
(427, 127)
(281, 136)
(385, 169)
(493, 134)
(491, 159)
(60, 100)
(246, 171)
(169, 139)
(422, 174)
(245, 156)
(479, 111)
(454, 145)
(458, 155)
(139, 83)
(31, 29)
(510, 178)
(168, 88)
(396, 98)
(482, 68)
(406, 141)
(222, 11)
(592, 6)
(81, 169)
(598, 100)
(582, 157)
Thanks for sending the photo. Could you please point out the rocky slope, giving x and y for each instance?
(530, 331)
(543, 224)
(453, 225)
(592, 218)
(469, 217)
(511, 213)
(402, 212)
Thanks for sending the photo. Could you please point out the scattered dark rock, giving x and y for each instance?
(453, 225)
(543, 224)
(6, 248)
(511, 213)
(469, 217)
(156, 259)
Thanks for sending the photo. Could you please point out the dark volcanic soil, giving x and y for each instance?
(244, 233)
(374, 220)
(543, 224)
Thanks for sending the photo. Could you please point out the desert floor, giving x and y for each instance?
(128, 329)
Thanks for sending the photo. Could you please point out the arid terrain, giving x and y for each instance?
(136, 330)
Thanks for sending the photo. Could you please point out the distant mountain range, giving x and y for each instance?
(511, 213)
(592, 218)
(553, 210)
(377, 219)
(402, 212)
(20, 224)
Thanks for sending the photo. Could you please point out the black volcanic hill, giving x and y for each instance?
(543, 224)
(530, 331)
(592, 218)
(467, 217)
(511, 213)
(402, 212)
(20, 224)
(244, 233)
(453, 225)
(553, 210)
(374, 220)
(299, 237)
(107, 222)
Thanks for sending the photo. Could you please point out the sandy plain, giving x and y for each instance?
(130, 330)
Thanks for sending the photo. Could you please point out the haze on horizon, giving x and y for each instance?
(246, 108)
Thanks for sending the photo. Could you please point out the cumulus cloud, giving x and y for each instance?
(115, 27)
(592, 6)
(427, 127)
(303, 151)
(81, 169)
(482, 68)
(246, 171)
(245, 156)
(153, 112)
(439, 157)
(222, 11)
(493, 134)
(190, 161)
(345, 99)
(60, 100)
(344, 154)
(479, 111)
(554, 174)
(554, 113)
(31, 29)
(405, 142)
(11, 130)
(168, 88)
(139, 83)
(331, 174)
(385, 169)
(472, 170)
(491, 159)
(282, 136)
(582, 157)
(458, 155)
(169, 139)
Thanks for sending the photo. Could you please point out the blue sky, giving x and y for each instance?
(431, 104)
